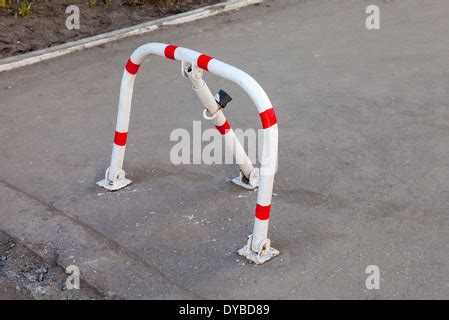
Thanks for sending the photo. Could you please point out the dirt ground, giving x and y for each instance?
(45, 27)
(25, 276)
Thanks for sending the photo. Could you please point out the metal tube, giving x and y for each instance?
(221, 123)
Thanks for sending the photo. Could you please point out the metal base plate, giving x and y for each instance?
(254, 257)
(238, 181)
(117, 185)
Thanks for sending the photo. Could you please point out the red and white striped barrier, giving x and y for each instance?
(258, 248)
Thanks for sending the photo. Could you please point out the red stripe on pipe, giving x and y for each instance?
(120, 138)
(169, 51)
(263, 212)
(203, 61)
(224, 128)
(268, 118)
(131, 67)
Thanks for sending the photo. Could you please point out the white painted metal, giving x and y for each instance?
(258, 248)
(214, 113)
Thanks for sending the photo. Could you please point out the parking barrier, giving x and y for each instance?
(258, 248)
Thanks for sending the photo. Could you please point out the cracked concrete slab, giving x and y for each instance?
(61, 238)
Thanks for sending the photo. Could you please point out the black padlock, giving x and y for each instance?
(222, 98)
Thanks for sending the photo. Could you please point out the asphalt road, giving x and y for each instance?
(363, 172)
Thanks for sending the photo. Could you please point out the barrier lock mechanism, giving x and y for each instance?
(222, 98)
(193, 64)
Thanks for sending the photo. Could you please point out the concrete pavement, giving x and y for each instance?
(363, 171)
